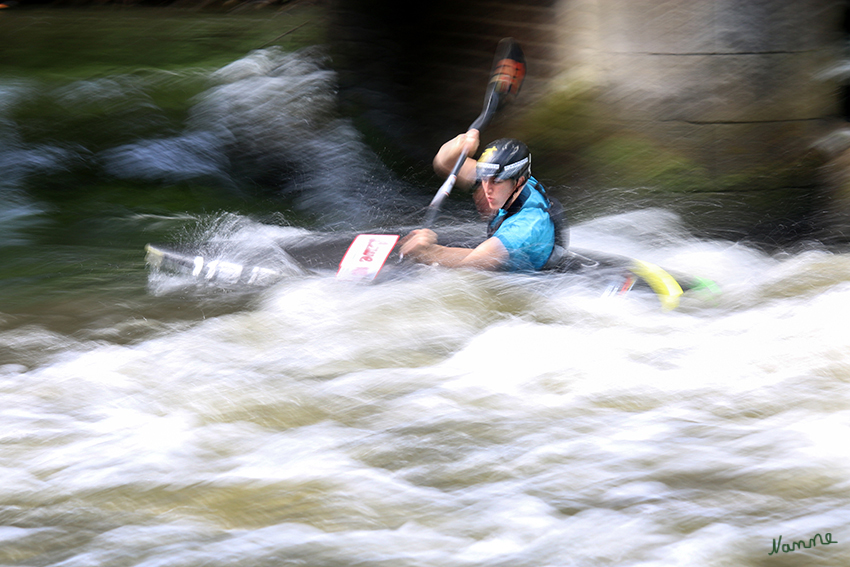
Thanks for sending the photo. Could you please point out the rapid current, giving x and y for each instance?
(447, 419)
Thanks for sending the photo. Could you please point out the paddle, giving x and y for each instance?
(506, 78)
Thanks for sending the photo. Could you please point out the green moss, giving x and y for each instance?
(625, 160)
(573, 139)
(563, 122)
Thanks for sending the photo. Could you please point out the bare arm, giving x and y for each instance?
(421, 245)
(449, 153)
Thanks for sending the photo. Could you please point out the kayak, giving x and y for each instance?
(306, 253)
(324, 253)
(375, 257)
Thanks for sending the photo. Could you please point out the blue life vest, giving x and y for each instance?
(528, 229)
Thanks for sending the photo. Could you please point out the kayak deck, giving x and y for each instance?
(322, 253)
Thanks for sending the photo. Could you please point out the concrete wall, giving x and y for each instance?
(711, 107)
(735, 88)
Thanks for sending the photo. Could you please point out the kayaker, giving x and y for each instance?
(525, 225)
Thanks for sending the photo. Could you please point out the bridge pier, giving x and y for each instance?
(713, 108)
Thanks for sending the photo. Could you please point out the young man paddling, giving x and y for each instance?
(525, 223)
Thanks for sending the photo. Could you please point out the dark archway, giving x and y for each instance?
(415, 73)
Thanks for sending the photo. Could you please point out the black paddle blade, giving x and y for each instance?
(508, 70)
(505, 80)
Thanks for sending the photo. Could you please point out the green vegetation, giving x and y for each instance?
(92, 42)
(94, 78)
(630, 160)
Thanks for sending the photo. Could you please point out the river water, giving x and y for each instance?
(445, 419)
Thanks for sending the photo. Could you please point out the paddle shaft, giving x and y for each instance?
(505, 78)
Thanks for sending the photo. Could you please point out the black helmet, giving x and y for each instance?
(504, 159)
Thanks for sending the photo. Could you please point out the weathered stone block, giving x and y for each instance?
(719, 88)
(776, 26)
(657, 26)
(718, 26)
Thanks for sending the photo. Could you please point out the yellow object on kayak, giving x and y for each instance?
(663, 284)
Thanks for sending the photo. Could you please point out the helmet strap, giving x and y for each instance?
(517, 190)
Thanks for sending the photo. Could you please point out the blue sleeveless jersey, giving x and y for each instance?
(529, 233)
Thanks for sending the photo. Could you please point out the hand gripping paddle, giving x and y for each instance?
(506, 78)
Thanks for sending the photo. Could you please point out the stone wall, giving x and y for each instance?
(734, 89)
(711, 107)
